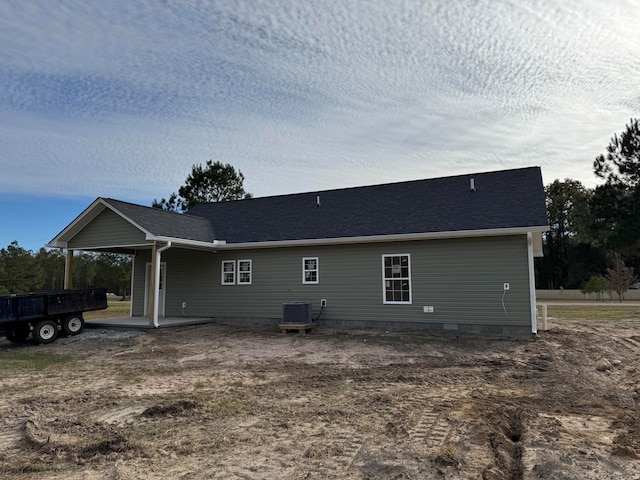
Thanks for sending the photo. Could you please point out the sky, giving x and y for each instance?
(121, 98)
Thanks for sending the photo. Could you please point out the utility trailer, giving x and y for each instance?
(45, 314)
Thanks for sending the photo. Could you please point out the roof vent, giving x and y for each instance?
(317, 200)
(472, 185)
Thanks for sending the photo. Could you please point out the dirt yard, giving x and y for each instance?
(213, 401)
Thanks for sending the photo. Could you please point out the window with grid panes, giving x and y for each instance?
(244, 272)
(228, 272)
(310, 270)
(396, 273)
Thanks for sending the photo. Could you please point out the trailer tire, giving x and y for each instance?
(45, 331)
(19, 334)
(73, 324)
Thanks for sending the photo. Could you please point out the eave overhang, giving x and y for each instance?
(407, 237)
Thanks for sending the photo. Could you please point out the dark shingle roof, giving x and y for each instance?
(164, 223)
(503, 199)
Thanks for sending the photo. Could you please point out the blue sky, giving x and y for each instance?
(120, 98)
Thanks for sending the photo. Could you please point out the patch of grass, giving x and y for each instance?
(595, 311)
(115, 309)
(236, 384)
(24, 362)
(228, 406)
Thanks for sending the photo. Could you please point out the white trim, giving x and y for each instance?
(189, 243)
(133, 276)
(405, 237)
(96, 208)
(222, 272)
(385, 279)
(80, 221)
(157, 285)
(133, 246)
(240, 272)
(532, 283)
(147, 279)
(304, 270)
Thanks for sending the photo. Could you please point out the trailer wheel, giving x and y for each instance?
(72, 325)
(19, 334)
(45, 331)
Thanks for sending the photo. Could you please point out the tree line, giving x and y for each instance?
(23, 271)
(594, 238)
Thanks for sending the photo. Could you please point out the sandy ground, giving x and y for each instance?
(214, 401)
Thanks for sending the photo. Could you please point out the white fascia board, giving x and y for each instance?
(494, 232)
(133, 246)
(183, 242)
(81, 221)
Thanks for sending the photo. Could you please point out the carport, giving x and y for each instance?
(112, 226)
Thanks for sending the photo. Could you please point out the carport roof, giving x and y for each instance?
(156, 224)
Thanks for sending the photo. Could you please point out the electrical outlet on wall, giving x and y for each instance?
(184, 304)
(323, 302)
(506, 286)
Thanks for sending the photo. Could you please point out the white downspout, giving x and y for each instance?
(532, 284)
(156, 286)
(133, 276)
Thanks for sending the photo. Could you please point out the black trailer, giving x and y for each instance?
(47, 313)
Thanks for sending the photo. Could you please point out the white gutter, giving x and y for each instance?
(532, 284)
(156, 286)
(183, 242)
(404, 237)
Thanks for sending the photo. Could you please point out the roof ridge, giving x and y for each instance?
(389, 184)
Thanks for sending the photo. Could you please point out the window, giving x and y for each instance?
(310, 270)
(244, 272)
(396, 274)
(228, 272)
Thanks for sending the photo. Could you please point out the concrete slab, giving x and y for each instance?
(143, 322)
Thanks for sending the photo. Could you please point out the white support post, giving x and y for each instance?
(532, 283)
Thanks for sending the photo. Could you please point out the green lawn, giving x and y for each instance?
(595, 311)
(115, 309)
(589, 311)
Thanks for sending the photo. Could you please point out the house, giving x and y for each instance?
(451, 253)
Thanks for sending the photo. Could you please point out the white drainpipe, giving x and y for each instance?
(532, 284)
(156, 287)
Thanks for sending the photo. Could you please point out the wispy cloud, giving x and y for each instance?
(120, 98)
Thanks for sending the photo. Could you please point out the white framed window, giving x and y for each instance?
(228, 272)
(396, 279)
(310, 270)
(244, 272)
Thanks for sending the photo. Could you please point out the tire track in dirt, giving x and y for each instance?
(432, 429)
(11, 436)
(632, 341)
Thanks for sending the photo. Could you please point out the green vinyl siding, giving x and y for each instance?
(106, 230)
(189, 278)
(462, 279)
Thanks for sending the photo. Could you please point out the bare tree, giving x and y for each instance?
(620, 277)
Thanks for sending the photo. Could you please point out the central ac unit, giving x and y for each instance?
(296, 312)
